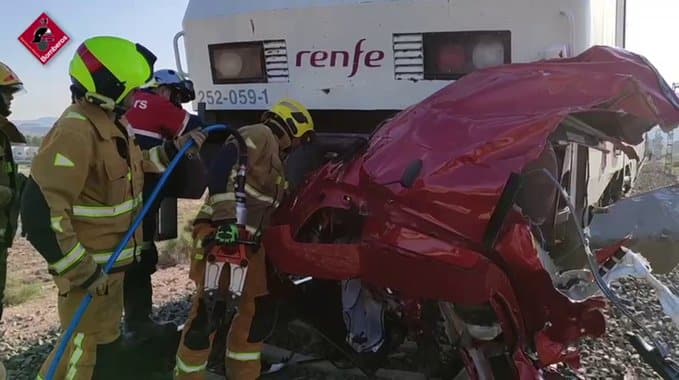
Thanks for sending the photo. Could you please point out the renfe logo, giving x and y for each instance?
(320, 58)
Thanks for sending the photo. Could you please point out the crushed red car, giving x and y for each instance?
(452, 208)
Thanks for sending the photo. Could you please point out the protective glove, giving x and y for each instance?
(201, 229)
(227, 234)
(197, 135)
(97, 284)
(200, 232)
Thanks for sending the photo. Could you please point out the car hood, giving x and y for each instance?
(474, 133)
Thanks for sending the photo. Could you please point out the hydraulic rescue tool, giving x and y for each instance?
(241, 217)
(228, 246)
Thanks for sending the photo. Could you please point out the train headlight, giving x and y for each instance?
(488, 52)
(237, 62)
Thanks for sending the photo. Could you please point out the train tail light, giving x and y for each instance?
(450, 55)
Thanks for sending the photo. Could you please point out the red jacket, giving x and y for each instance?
(154, 118)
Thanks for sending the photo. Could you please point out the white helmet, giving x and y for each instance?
(182, 87)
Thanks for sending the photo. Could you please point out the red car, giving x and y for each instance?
(447, 227)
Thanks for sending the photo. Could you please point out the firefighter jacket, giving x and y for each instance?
(265, 181)
(89, 171)
(10, 182)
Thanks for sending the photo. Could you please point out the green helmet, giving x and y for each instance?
(106, 69)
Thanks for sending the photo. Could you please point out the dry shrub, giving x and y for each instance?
(18, 291)
(176, 251)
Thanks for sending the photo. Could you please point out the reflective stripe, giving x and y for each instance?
(206, 209)
(107, 211)
(75, 115)
(222, 197)
(75, 357)
(146, 133)
(154, 156)
(251, 191)
(281, 180)
(243, 356)
(249, 143)
(67, 262)
(125, 256)
(185, 122)
(62, 161)
(9, 167)
(259, 196)
(56, 223)
(181, 366)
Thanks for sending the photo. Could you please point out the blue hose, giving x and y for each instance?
(88, 298)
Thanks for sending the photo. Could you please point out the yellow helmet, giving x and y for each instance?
(294, 117)
(106, 69)
(10, 84)
(9, 79)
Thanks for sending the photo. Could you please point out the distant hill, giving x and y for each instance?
(36, 127)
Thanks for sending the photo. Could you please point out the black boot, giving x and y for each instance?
(138, 295)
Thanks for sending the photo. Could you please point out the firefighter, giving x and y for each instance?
(11, 181)
(156, 115)
(84, 193)
(285, 126)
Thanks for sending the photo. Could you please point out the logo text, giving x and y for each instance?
(341, 58)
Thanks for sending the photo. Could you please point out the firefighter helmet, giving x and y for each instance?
(11, 85)
(182, 88)
(106, 69)
(293, 116)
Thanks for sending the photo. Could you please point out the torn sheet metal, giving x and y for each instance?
(579, 285)
(652, 222)
(635, 265)
(470, 136)
(475, 132)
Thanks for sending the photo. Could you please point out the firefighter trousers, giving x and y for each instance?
(3, 276)
(3, 283)
(138, 289)
(243, 348)
(99, 327)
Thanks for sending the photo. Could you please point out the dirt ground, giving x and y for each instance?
(27, 330)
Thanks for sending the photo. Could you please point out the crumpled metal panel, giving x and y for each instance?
(473, 133)
(426, 241)
(652, 221)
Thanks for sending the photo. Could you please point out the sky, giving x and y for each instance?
(153, 23)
